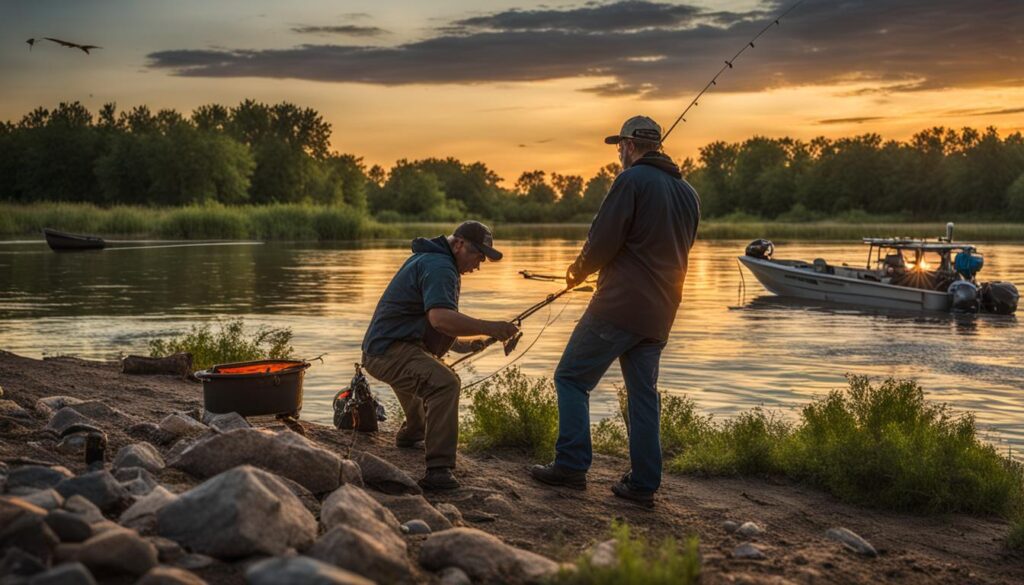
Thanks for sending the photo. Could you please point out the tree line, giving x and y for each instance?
(257, 153)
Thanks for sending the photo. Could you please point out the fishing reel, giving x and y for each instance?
(510, 344)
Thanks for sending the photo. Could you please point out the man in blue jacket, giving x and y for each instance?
(639, 240)
(416, 322)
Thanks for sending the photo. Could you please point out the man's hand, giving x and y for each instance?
(502, 330)
(571, 278)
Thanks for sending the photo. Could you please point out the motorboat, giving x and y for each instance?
(900, 273)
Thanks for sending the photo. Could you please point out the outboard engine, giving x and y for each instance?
(999, 298)
(761, 249)
(968, 264)
(964, 296)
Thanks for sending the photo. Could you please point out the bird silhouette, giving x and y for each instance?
(30, 43)
(70, 45)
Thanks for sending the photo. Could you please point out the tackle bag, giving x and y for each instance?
(356, 407)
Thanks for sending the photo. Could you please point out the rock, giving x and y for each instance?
(352, 506)
(99, 487)
(16, 562)
(30, 478)
(497, 505)
(605, 555)
(150, 433)
(180, 424)
(12, 409)
(73, 444)
(51, 404)
(384, 560)
(98, 411)
(730, 526)
(135, 480)
(407, 508)
(141, 455)
(852, 541)
(240, 512)
(84, 508)
(104, 526)
(142, 514)
(68, 526)
(230, 421)
(749, 530)
(286, 453)
(483, 557)
(166, 549)
(300, 571)
(416, 526)
(747, 550)
(45, 499)
(350, 473)
(383, 476)
(84, 416)
(119, 551)
(66, 574)
(23, 525)
(169, 576)
(453, 576)
(66, 552)
(451, 512)
(194, 562)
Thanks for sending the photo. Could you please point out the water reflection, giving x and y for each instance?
(733, 345)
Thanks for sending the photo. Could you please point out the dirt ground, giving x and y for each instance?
(498, 496)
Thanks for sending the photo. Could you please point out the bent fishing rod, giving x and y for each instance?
(728, 65)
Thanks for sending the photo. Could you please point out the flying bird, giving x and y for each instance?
(30, 43)
(70, 45)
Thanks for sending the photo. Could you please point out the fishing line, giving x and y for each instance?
(729, 65)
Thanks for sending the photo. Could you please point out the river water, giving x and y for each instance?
(732, 347)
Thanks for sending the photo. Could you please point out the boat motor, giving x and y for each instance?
(999, 298)
(968, 265)
(963, 296)
(760, 249)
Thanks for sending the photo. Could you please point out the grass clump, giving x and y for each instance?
(512, 411)
(1015, 540)
(636, 562)
(745, 445)
(230, 343)
(888, 447)
(681, 427)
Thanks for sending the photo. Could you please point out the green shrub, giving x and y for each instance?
(205, 222)
(609, 437)
(638, 562)
(887, 446)
(338, 223)
(745, 445)
(681, 427)
(125, 220)
(512, 411)
(281, 222)
(1015, 540)
(231, 343)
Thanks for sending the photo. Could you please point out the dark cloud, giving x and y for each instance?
(345, 29)
(850, 120)
(898, 45)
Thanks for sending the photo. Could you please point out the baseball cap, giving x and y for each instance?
(480, 236)
(638, 127)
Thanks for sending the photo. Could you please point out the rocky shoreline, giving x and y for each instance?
(180, 496)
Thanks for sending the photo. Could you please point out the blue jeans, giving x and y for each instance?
(594, 345)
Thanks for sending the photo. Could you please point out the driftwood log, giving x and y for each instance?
(178, 364)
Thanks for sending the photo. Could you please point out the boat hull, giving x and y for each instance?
(789, 281)
(63, 241)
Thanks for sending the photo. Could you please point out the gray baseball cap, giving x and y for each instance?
(639, 128)
(480, 236)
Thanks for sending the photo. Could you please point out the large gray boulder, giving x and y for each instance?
(300, 571)
(228, 421)
(352, 506)
(45, 499)
(141, 515)
(484, 558)
(99, 487)
(179, 424)
(23, 525)
(51, 404)
(141, 455)
(118, 551)
(384, 476)
(241, 512)
(382, 559)
(30, 478)
(68, 526)
(84, 508)
(286, 453)
(407, 508)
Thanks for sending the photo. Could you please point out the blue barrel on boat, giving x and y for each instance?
(968, 264)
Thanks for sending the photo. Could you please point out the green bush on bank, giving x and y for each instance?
(230, 343)
(512, 411)
(637, 562)
(1015, 540)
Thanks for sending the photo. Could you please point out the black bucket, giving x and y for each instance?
(256, 388)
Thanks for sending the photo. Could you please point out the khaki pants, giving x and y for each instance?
(429, 393)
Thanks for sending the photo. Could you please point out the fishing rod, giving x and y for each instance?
(729, 65)
(510, 343)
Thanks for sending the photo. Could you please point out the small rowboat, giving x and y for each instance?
(63, 241)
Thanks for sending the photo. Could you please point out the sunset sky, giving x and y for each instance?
(521, 85)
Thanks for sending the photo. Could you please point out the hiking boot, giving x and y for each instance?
(554, 474)
(439, 478)
(624, 490)
(409, 444)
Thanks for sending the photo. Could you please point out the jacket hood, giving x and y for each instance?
(438, 245)
(661, 162)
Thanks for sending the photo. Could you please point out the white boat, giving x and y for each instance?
(900, 273)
